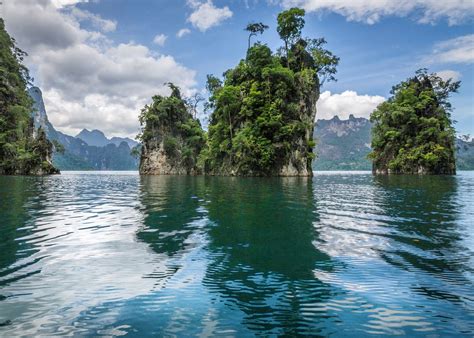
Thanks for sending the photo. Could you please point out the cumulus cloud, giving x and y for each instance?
(457, 50)
(87, 80)
(206, 15)
(449, 74)
(346, 103)
(160, 39)
(182, 32)
(372, 11)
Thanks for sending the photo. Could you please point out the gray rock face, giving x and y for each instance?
(40, 118)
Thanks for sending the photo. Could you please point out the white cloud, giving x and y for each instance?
(371, 11)
(64, 3)
(87, 80)
(98, 22)
(160, 39)
(346, 103)
(449, 74)
(206, 15)
(458, 50)
(182, 32)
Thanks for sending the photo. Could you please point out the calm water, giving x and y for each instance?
(337, 255)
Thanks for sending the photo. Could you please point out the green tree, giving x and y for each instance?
(290, 24)
(413, 130)
(255, 28)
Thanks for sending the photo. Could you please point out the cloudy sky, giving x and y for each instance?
(98, 62)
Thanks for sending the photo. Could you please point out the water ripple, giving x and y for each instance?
(341, 254)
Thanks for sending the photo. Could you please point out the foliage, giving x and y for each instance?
(20, 151)
(290, 24)
(413, 129)
(263, 110)
(255, 28)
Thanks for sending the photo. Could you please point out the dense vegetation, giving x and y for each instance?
(170, 128)
(413, 130)
(263, 110)
(22, 149)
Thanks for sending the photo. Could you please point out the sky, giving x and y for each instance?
(98, 62)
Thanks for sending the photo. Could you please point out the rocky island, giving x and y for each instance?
(262, 112)
(412, 131)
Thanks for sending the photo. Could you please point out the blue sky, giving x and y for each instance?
(101, 64)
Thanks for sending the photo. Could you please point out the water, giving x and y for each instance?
(341, 254)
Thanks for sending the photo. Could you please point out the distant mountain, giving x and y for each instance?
(465, 154)
(345, 144)
(342, 144)
(98, 139)
(78, 154)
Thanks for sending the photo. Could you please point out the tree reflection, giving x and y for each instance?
(262, 252)
(170, 206)
(424, 216)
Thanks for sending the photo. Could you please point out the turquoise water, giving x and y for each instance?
(341, 254)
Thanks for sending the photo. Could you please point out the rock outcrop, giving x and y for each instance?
(171, 139)
(412, 131)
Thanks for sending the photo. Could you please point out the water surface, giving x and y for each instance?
(340, 254)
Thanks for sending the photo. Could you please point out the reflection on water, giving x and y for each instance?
(338, 254)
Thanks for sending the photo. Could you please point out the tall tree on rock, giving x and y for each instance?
(290, 24)
(254, 29)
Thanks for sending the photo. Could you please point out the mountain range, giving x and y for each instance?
(345, 144)
(79, 154)
(97, 138)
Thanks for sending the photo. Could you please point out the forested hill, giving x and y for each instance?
(345, 144)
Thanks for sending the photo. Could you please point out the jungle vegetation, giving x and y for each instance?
(22, 149)
(413, 130)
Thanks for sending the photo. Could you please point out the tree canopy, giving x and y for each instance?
(413, 131)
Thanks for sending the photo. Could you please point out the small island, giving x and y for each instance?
(412, 132)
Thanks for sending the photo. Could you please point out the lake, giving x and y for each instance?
(339, 254)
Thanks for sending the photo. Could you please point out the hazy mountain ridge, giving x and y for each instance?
(342, 144)
(345, 144)
(78, 154)
(97, 138)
